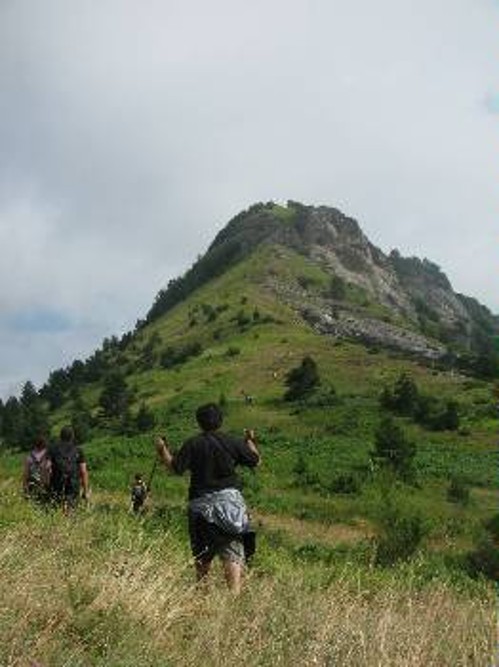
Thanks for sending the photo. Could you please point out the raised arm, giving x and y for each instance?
(164, 453)
(250, 439)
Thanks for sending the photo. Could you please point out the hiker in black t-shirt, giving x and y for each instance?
(216, 513)
(68, 471)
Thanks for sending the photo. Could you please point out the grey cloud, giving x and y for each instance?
(131, 132)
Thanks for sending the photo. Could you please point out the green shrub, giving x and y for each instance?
(393, 449)
(337, 288)
(145, 419)
(303, 475)
(492, 527)
(437, 415)
(403, 397)
(401, 535)
(458, 491)
(345, 483)
(484, 559)
(172, 356)
(323, 398)
(302, 380)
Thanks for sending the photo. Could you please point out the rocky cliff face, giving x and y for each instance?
(425, 315)
(415, 291)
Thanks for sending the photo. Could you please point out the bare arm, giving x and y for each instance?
(249, 437)
(84, 478)
(164, 453)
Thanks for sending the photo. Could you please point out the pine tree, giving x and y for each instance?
(145, 419)
(114, 399)
(34, 421)
(302, 380)
(393, 449)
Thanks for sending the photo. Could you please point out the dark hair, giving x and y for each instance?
(40, 442)
(67, 434)
(209, 417)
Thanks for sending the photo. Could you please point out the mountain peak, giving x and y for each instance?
(295, 225)
(411, 294)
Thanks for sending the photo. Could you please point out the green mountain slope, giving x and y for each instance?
(378, 487)
(407, 291)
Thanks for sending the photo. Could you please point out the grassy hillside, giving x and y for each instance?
(105, 589)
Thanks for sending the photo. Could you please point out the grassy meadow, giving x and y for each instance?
(106, 588)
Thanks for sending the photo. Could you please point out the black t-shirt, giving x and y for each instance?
(211, 459)
(65, 459)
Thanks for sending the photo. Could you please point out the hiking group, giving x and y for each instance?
(217, 517)
(56, 475)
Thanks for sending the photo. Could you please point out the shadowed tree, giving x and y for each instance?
(302, 380)
(393, 449)
(114, 399)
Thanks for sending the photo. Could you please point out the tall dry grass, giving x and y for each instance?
(98, 590)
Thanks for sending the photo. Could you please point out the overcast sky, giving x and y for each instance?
(131, 132)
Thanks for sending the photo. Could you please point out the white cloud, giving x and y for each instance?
(132, 132)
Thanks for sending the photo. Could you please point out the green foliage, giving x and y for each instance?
(53, 391)
(242, 319)
(437, 415)
(424, 311)
(217, 260)
(458, 491)
(145, 419)
(81, 420)
(400, 537)
(324, 397)
(23, 421)
(303, 476)
(484, 559)
(403, 397)
(12, 422)
(302, 380)
(432, 413)
(115, 397)
(492, 527)
(347, 483)
(337, 288)
(172, 356)
(223, 403)
(393, 449)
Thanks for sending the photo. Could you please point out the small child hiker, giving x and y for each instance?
(139, 493)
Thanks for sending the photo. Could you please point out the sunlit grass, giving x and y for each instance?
(102, 588)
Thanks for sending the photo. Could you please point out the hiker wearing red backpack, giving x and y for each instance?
(36, 472)
(68, 471)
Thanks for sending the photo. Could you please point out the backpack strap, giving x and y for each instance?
(220, 445)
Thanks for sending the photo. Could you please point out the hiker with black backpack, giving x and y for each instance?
(36, 472)
(68, 472)
(217, 516)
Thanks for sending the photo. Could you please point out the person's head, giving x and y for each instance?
(67, 434)
(138, 478)
(209, 417)
(40, 443)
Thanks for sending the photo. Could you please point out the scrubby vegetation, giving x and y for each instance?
(106, 589)
(376, 517)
